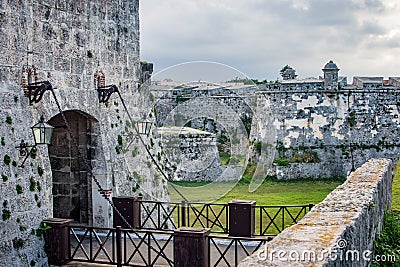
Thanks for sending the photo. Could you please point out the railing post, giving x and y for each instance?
(183, 213)
(159, 226)
(57, 240)
(241, 218)
(137, 214)
(118, 241)
(310, 206)
(191, 247)
(129, 207)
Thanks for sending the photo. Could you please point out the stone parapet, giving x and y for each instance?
(339, 231)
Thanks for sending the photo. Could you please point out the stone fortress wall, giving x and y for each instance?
(319, 127)
(70, 44)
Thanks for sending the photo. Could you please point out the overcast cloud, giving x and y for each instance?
(259, 37)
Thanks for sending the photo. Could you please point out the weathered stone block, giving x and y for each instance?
(62, 64)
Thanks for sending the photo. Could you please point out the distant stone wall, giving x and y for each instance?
(342, 128)
(192, 153)
(296, 170)
(345, 223)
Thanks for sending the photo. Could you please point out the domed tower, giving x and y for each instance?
(331, 75)
(289, 74)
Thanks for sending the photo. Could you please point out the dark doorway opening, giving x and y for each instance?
(72, 187)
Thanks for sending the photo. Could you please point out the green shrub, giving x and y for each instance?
(6, 214)
(43, 228)
(119, 140)
(33, 153)
(224, 158)
(40, 170)
(388, 241)
(7, 160)
(32, 185)
(305, 157)
(39, 187)
(18, 188)
(18, 243)
(258, 146)
(281, 161)
(135, 152)
(8, 120)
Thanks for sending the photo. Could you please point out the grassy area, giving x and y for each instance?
(284, 193)
(269, 193)
(272, 192)
(224, 158)
(388, 241)
(396, 188)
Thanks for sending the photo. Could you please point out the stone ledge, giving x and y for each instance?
(351, 216)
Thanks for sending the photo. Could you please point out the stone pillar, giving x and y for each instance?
(241, 218)
(57, 240)
(191, 247)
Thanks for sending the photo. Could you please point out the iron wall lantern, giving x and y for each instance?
(42, 133)
(144, 126)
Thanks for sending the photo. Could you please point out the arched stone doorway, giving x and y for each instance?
(72, 187)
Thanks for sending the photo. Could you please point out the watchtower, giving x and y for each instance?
(331, 75)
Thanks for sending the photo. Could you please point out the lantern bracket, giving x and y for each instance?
(24, 151)
(105, 92)
(36, 91)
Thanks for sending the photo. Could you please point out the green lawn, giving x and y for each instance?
(396, 188)
(269, 193)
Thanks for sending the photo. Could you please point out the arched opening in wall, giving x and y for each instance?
(72, 186)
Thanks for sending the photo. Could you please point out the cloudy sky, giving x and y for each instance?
(259, 37)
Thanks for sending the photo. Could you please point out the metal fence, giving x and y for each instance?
(123, 247)
(153, 243)
(229, 251)
(116, 246)
(269, 220)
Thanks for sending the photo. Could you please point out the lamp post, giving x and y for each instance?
(42, 133)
